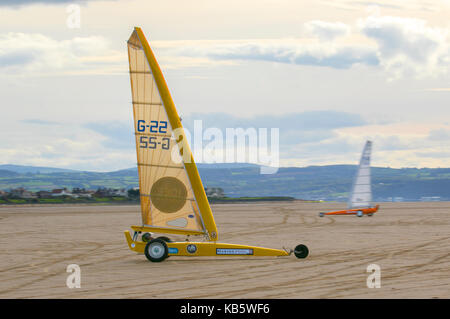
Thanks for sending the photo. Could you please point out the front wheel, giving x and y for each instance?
(321, 214)
(359, 213)
(301, 251)
(156, 250)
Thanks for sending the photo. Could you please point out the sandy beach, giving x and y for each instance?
(409, 241)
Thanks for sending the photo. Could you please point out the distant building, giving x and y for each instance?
(395, 199)
(44, 194)
(22, 193)
(81, 192)
(133, 192)
(119, 192)
(77, 190)
(61, 192)
(84, 195)
(430, 198)
(214, 192)
(101, 192)
(110, 192)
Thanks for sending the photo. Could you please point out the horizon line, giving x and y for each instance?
(221, 163)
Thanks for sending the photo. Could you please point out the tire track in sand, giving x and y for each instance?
(46, 265)
(325, 276)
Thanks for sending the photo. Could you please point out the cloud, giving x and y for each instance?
(36, 54)
(291, 51)
(99, 147)
(16, 58)
(39, 122)
(408, 46)
(294, 128)
(434, 154)
(310, 120)
(404, 144)
(293, 132)
(307, 138)
(119, 135)
(406, 149)
(402, 47)
(439, 135)
(377, 4)
(438, 90)
(19, 3)
(326, 30)
(398, 46)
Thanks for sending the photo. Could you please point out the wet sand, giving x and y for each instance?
(409, 241)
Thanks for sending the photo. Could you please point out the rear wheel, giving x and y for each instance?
(156, 250)
(146, 237)
(166, 239)
(301, 251)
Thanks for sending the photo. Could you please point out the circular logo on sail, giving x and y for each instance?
(191, 248)
(168, 194)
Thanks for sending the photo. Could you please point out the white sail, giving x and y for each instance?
(361, 194)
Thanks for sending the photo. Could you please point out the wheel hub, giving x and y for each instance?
(156, 251)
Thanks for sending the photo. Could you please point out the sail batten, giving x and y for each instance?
(156, 165)
(146, 103)
(153, 134)
(172, 195)
(140, 72)
(361, 193)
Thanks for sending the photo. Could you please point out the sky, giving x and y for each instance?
(329, 74)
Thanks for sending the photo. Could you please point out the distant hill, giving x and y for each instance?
(6, 173)
(330, 182)
(226, 165)
(33, 169)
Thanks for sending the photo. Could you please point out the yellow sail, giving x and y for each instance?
(171, 192)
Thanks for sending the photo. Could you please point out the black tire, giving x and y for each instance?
(166, 239)
(156, 250)
(146, 237)
(301, 251)
(370, 215)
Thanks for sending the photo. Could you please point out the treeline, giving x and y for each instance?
(64, 195)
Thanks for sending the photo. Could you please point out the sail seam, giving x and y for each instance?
(147, 103)
(156, 165)
(140, 72)
(149, 195)
(152, 134)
